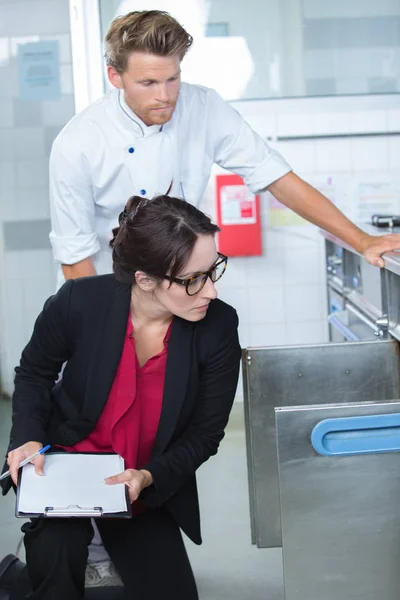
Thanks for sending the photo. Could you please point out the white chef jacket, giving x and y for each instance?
(106, 154)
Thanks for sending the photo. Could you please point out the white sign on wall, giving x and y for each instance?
(238, 205)
(39, 70)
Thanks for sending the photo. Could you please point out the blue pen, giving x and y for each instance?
(26, 461)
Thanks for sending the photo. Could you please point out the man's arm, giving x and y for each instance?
(84, 268)
(309, 203)
(72, 209)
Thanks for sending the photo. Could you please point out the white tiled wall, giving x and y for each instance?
(27, 130)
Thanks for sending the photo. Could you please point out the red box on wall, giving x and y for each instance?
(238, 216)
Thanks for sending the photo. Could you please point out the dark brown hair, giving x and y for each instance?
(153, 31)
(156, 236)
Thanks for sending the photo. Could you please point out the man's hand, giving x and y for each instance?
(15, 457)
(135, 480)
(372, 247)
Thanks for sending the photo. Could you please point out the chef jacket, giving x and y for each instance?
(106, 154)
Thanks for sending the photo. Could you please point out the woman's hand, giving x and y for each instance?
(135, 480)
(15, 457)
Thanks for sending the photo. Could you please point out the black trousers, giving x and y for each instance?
(147, 551)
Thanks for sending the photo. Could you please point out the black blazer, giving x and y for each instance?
(84, 324)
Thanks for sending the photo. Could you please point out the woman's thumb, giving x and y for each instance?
(39, 464)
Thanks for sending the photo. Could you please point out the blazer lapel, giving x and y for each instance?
(179, 359)
(107, 353)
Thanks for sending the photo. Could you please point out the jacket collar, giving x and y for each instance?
(176, 380)
(132, 121)
(107, 351)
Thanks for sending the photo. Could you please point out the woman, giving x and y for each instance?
(152, 367)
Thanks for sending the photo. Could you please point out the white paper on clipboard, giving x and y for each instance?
(72, 480)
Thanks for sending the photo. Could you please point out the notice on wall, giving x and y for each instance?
(39, 70)
(238, 205)
(376, 197)
(281, 215)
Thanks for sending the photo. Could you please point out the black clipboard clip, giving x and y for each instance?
(73, 510)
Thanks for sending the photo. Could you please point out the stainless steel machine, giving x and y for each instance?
(339, 487)
(303, 375)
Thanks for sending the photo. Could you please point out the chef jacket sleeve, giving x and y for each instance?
(72, 207)
(240, 149)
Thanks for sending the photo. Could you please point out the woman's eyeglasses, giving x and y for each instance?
(196, 283)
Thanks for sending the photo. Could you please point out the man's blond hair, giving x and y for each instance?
(152, 31)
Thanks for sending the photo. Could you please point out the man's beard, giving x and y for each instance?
(158, 116)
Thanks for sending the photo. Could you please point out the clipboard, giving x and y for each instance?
(73, 487)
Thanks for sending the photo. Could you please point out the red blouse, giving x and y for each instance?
(129, 422)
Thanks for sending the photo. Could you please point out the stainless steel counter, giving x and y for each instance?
(392, 262)
(363, 300)
(392, 259)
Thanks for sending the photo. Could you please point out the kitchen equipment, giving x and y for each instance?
(303, 375)
(385, 220)
(339, 500)
(357, 307)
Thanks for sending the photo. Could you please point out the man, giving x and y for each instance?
(152, 134)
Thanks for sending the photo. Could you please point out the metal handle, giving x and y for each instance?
(379, 327)
(73, 510)
(347, 333)
(334, 260)
(361, 316)
(385, 220)
(382, 325)
(357, 435)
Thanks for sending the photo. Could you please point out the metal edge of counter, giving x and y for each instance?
(392, 259)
